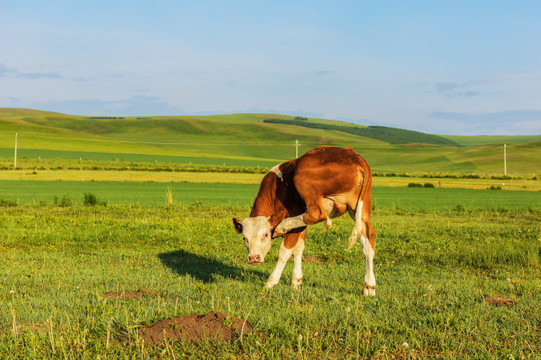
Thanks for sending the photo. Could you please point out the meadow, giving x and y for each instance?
(143, 206)
(436, 261)
(184, 193)
(247, 140)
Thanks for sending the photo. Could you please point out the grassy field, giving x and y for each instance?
(127, 193)
(434, 268)
(36, 158)
(147, 193)
(166, 189)
(245, 140)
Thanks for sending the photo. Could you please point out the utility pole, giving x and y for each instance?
(505, 159)
(15, 161)
(297, 148)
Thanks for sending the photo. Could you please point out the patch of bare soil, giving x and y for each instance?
(214, 325)
(22, 328)
(130, 294)
(499, 301)
(313, 260)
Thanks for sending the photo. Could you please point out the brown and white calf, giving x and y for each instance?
(320, 185)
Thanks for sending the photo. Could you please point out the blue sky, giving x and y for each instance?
(446, 67)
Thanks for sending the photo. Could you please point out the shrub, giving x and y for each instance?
(7, 203)
(415, 185)
(64, 202)
(428, 185)
(91, 200)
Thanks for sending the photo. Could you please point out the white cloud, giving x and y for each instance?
(133, 106)
(507, 122)
(505, 77)
(11, 72)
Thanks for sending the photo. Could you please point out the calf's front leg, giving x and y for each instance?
(293, 244)
(283, 256)
(296, 279)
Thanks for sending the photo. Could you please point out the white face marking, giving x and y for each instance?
(256, 232)
(277, 171)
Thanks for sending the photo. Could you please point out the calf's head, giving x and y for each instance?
(256, 232)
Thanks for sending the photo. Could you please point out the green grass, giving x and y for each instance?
(439, 251)
(33, 154)
(491, 139)
(153, 194)
(245, 140)
(128, 193)
(383, 133)
(433, 269)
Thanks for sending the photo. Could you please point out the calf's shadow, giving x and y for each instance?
(204, 269)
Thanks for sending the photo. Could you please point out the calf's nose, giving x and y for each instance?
(254, 259)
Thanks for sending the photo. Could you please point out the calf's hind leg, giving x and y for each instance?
(315, 213)
(363, 228)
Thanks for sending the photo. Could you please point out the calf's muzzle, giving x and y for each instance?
(254, 259)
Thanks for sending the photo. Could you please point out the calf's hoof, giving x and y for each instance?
(296, 283)
(369, 290)
(279, 231)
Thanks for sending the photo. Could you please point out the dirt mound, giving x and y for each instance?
(214, 325)
(313, 260)
(130, 294)
(499, 301)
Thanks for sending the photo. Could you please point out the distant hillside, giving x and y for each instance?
(492, 139)
(383, 133)
(255, 140)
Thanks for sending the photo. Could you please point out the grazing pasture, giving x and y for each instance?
(439, 268)
(113, 226)
(247, 140)
(148, 193)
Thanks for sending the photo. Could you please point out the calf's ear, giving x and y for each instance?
(238, 225)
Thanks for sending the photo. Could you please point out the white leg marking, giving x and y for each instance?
(289, 224)
(297, 263)
(328, 224)
(283, 256)
(369, 278)
(357, 228)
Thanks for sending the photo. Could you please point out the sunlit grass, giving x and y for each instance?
(245, 140)
(433, 270)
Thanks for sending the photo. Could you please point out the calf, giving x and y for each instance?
(320, 185)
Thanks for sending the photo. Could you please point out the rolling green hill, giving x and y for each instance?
(256, 139)
(491, 139)
(383, 133)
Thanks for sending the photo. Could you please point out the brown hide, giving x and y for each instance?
(338, 174)
(324, 183)
(277, 197)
